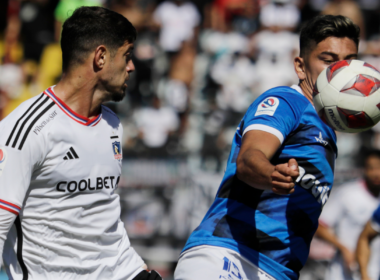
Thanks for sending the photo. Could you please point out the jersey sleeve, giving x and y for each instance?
(375, 220)
(16, 167)
(274, 113)
(17, 163)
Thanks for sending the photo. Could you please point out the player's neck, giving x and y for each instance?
(306, 90)
(78, 90)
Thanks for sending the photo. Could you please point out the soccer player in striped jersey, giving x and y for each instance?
(279, 174)
(60, 163)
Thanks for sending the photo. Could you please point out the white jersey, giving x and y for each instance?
(58, 176)
(347, 211)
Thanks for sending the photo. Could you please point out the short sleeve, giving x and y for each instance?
(17, 163)
(278, 114)
(375, 220)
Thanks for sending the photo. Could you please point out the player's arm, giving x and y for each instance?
(254, 167)
(363, 250)
(325, 233)
(20, 152)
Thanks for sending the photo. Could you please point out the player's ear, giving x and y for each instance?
(100, 57)
(299, 67)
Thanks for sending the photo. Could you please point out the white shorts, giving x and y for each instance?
(212, 262)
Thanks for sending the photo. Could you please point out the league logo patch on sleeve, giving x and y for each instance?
(268, 106)
(3, 159)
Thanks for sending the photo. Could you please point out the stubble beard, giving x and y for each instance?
(118, 96)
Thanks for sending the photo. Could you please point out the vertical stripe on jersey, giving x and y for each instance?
(33, 123)
(27, 111)
(19, 249)
(27, 119)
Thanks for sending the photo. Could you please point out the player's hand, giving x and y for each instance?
(284, 177)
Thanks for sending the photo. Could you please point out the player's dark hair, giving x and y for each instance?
(89, 27)
(321, 27)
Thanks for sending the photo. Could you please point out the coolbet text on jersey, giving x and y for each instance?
(58, 176)
(270, 230)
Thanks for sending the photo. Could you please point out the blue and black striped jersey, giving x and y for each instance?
(274, 231)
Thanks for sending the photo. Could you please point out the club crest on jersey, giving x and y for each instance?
(3, 159)
(117, 150)
(268, 106)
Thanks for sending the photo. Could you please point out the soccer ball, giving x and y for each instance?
(347, 96)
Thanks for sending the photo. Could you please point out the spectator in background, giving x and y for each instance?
(280, 14)
(371, 15)
(37, 26)
(223, 13)
(11, 48)
(344, 216)
(65, 8)
(138, 14)
(155, 125)
(347, 8)
(177, 20)
(235, 73)
(275, 46)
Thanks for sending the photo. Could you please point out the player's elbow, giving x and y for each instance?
(241, 168)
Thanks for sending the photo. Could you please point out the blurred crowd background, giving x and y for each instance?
(199, 65)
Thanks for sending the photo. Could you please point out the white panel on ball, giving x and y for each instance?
(318, 104)
(322, 81)
(329, 96)
(351, 102)
(370, 106)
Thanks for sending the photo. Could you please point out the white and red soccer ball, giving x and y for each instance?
(347, 96)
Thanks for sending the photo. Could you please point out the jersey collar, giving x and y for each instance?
(76, 117)
(297, 88)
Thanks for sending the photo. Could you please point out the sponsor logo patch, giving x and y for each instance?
(321, 140)
(268, 106)
(117, 150)
(3, 159)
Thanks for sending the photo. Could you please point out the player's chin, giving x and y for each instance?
(117, 96)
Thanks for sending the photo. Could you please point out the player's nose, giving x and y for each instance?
(130, 66)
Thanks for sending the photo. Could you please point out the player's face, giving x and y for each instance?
(326, 52)
(372, 171)
(118, 71)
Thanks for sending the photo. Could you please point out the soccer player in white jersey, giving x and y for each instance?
(344, 217)
(60, 163)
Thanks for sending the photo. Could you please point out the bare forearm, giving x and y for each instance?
(363, 252)
(255, 170)
(327, 235)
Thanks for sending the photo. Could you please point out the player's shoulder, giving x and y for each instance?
(110, 116)
(27, 119)
(281, 98)
(288, 94)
